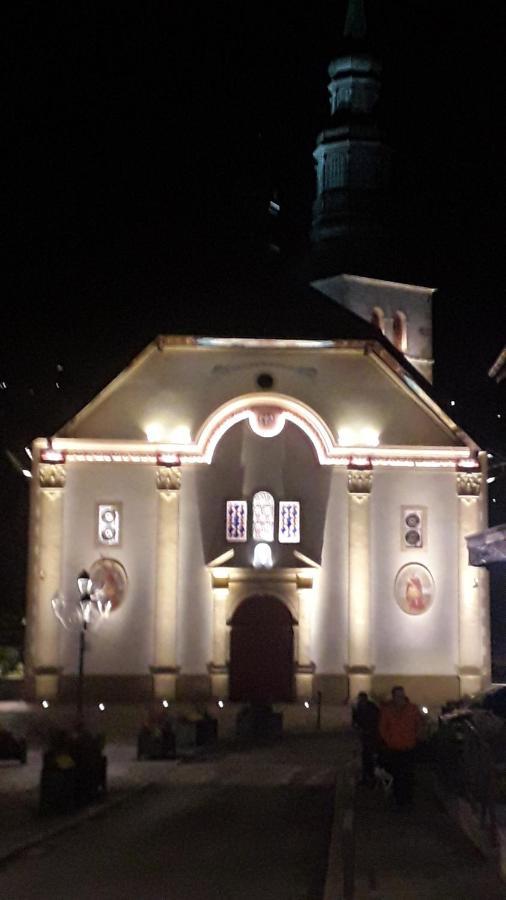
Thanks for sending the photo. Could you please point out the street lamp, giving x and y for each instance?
(85, 587)
(93, 603)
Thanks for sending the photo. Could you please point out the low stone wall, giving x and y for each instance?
(12, 689)
(434, 690)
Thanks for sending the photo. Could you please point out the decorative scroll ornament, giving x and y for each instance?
(468, 484)
(359, 481)
(51, 475)
(267, 421)
(168, 478)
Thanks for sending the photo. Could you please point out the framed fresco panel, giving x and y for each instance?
(414, 589)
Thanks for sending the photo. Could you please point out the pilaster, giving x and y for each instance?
(46, 528)
(218, 668)
(164, 668)
(359, 667)
(473, 593)
(305, 667)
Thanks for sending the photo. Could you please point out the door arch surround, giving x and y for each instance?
(261, 666)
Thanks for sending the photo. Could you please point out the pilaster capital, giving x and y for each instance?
(469, 484)
(168, 478)
(359, 481)
(51, 475)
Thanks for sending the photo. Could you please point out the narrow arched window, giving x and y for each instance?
(400, 332)
(378, 319)
(263, 516)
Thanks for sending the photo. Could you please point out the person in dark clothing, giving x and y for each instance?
(365, 719)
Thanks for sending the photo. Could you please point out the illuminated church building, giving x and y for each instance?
(287, 501)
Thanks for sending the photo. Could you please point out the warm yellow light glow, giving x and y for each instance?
(358, 437)
(369, 437)
(154, 432)
(181, 434)
(346, 437)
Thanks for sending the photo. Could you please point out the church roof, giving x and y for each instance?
(278, 306)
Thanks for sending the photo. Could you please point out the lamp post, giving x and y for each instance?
(85, 585)
(95, 602)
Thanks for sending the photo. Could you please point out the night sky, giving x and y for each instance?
(144, 142)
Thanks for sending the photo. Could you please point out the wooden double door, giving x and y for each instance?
(261, 651)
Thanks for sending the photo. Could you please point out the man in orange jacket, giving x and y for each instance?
(400, 728)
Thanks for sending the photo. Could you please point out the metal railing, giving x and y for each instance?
(466, 767)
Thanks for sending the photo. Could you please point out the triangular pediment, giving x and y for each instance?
(176, 385)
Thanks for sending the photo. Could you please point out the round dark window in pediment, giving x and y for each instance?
(265, 381)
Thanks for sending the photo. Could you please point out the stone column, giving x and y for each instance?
(44, 581)
(218, 668)
(473, 587)
(305, 667)
(164, 668)
(359, 602)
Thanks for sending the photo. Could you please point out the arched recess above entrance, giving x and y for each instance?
(267, 415)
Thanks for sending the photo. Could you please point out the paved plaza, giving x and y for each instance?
(235, 821)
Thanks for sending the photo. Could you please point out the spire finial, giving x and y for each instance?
(355, 25)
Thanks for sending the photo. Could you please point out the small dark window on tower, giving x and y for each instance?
(400, 332)
(378, 319)
(265, 381)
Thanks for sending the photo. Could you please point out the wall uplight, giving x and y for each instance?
(181, 434)
(369, 437)
(154, 432)
(358, 437)
(346, 437)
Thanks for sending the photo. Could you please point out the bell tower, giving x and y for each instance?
(352, 163)
(351, 224)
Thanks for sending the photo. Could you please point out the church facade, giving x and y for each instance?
(274, 510)
(291, 517)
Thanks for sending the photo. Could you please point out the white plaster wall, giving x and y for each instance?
(404, 644)
(122, 644)
(330, 610)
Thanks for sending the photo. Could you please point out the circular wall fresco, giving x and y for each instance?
(414, 589)
(109, 581)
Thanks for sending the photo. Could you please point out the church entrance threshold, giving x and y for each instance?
(261, 651)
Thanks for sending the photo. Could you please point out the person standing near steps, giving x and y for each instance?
(400, 728)
(365, 717)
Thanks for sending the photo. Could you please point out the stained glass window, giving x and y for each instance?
(289, 522)
(237, 520)
(263, 516)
